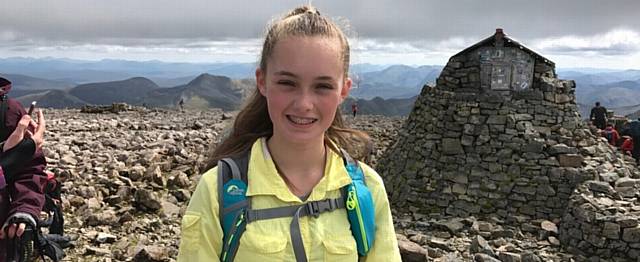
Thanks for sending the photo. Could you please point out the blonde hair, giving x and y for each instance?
(253, 121)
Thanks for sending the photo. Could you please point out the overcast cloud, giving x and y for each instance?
(573, 33)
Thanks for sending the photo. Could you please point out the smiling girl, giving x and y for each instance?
(292, 132)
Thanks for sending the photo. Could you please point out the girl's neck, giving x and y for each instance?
(297, 156)
(300, 165)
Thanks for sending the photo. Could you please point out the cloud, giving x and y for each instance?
(414, 30)
(81, 20)
(613, 43)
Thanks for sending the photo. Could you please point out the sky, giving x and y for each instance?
(572, 33)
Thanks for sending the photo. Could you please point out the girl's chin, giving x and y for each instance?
(298, 137)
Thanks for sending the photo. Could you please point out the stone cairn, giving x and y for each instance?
(499, 134)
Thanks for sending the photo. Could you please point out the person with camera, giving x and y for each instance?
(23, 178)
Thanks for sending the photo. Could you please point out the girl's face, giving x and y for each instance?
(304, 83)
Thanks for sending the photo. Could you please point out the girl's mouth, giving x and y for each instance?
(301, 120)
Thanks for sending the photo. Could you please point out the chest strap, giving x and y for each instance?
(313, 208)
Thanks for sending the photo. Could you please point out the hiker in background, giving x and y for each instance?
(611, 134)
(598, 116)
(23, 198)
(634, 132)
(291, 134)
(354, 108)
(627, 145)
(181, 104)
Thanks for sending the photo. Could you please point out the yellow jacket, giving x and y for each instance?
(326, 238)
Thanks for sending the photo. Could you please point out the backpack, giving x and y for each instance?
(634, 128)
(609, 136)
(51, 244)
(236, 212)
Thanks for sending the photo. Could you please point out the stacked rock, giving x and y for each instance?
(498, 134)
(602, 219)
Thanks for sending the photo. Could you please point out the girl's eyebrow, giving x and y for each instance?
(327, 78)
(287, 73)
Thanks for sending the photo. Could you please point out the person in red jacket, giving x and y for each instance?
(627, 145)
(611, 134)
(22, 199)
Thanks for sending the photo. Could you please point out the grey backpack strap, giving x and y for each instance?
(296, 237)
(235, 171)
(346, 157)
(313, 208)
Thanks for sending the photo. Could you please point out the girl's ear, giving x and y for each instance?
(261, 81)
(346, 88)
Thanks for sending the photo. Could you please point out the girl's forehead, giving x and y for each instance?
(330, 45)
(305, 52)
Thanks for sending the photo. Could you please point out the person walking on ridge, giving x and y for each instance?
(354, 108)
(599, 116)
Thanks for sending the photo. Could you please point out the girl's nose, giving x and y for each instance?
(304, 101)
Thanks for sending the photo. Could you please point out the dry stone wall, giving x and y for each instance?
(465, 150)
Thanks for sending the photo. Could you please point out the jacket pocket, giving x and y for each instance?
(190, 232)
(340, 248)
(254, 247)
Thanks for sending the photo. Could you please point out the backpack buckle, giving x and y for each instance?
(316, 207)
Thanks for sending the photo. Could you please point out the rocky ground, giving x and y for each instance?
(128, 177)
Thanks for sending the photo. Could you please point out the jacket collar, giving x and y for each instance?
(264, 178)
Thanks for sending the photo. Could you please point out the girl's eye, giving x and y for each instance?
(325, 86)
(286, 83)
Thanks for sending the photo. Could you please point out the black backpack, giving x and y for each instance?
(634, 128)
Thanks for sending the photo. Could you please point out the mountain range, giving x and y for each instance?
(205, 91)
(617, 90)
(396, 81)
(378, 89)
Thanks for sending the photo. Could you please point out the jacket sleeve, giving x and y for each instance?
(27, 190)
(627, 145)
(385, 247)
(201, 238)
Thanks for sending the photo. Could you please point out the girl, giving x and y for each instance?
(294, 132)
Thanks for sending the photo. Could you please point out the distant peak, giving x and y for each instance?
(208, 77)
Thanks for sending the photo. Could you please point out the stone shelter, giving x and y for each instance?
(499, 134)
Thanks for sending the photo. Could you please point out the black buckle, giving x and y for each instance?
(315, 208)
